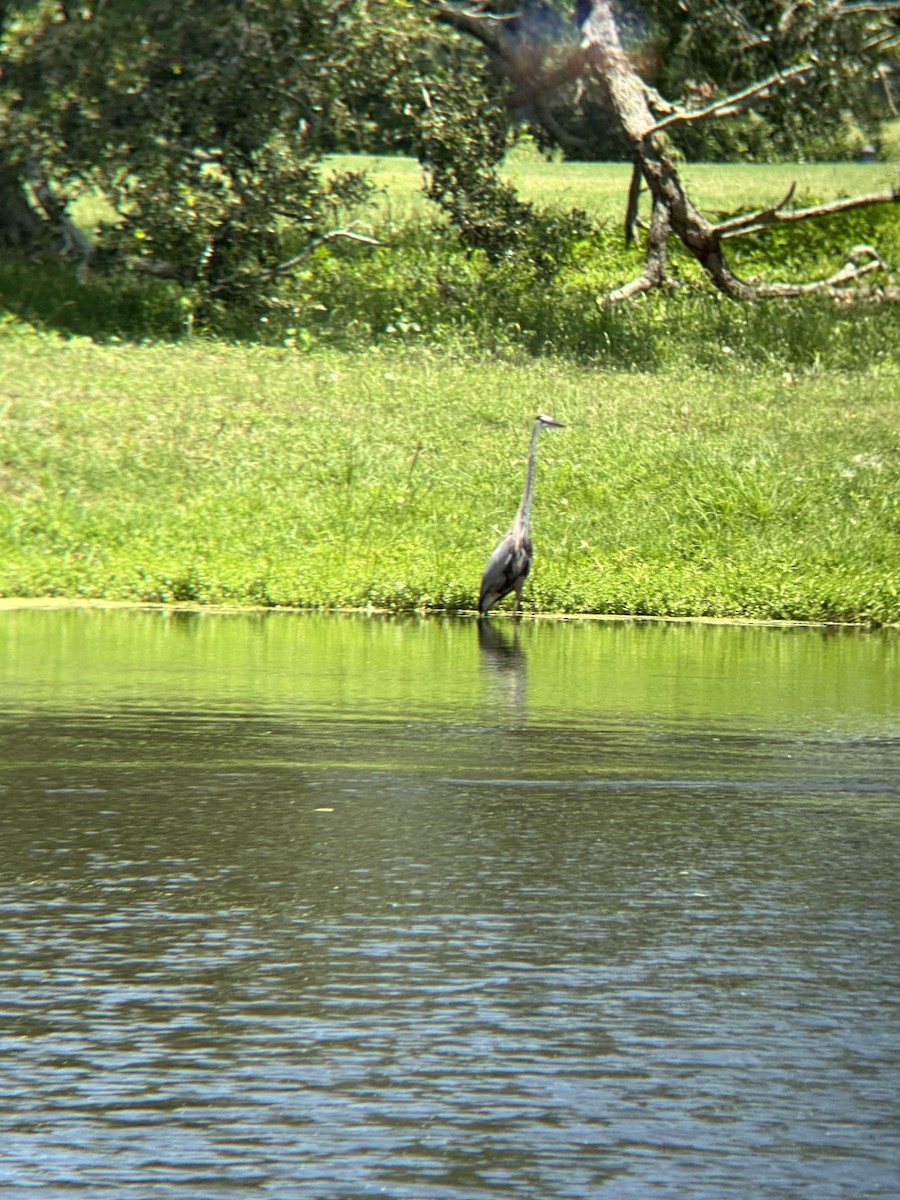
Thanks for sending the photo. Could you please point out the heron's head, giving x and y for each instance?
(546, 422)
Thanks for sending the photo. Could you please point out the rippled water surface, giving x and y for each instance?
(301, 906)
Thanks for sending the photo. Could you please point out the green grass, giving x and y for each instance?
(203, 472)
(422, 288)
(600, 188)
(362, 443)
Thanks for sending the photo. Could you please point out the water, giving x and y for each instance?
(336, 907)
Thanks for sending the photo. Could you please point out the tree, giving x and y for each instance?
(809, 55)
(202, 125)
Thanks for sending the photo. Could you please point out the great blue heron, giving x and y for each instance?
(508, 566)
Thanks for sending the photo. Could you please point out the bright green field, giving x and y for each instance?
(721, 460)
(200, 472)
(600, 188)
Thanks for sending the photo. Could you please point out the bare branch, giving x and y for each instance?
(655, 262)
(753, 222)
(762, 216)
(479, 25)
(835, 286)
(851, 8)
(787, 17)
(854, 269)
(861, 260)
(732, 104)
(291, 264)
(631, 210)
(839, 8)
(570, 140)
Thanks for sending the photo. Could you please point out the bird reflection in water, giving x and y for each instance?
(504, 661)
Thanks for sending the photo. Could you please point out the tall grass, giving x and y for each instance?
(221, 474)
(409, 295)
(362, 442)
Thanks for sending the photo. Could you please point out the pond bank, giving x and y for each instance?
(222, 475)
(16, 603)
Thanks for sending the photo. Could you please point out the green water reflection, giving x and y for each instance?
(794, 677)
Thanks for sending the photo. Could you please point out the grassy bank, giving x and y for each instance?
(362, 441)
(256, 475)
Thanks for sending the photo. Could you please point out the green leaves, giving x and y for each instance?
(203, 126)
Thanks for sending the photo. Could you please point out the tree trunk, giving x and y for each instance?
(601, 63)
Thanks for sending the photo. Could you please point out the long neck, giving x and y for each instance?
(522, 520)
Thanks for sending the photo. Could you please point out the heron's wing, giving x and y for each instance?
(507, 567)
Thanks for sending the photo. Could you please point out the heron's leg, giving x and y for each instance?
(518, 599)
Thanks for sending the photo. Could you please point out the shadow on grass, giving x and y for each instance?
(48, 293)
(354, 308)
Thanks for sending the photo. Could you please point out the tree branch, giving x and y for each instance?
(852, 8)
(655, 261)
(482, 26)
(729, 105)
(763, 216)
(753, 222)
(835, 286)
(290, 264)
(566, 139)
(495, 31)
(631, 209)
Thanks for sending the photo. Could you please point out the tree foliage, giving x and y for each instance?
(204, 124)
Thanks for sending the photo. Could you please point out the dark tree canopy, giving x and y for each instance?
(204, 124)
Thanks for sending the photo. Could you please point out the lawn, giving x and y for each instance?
(601, 188)
(248, 475)
(364, 444)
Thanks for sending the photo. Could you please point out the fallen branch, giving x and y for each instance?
(763, 216)
(861, 260)
(753, 222)
(655, 261)
(631, 209)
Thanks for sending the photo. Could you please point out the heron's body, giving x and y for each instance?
(510, 562)
(506, 570)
